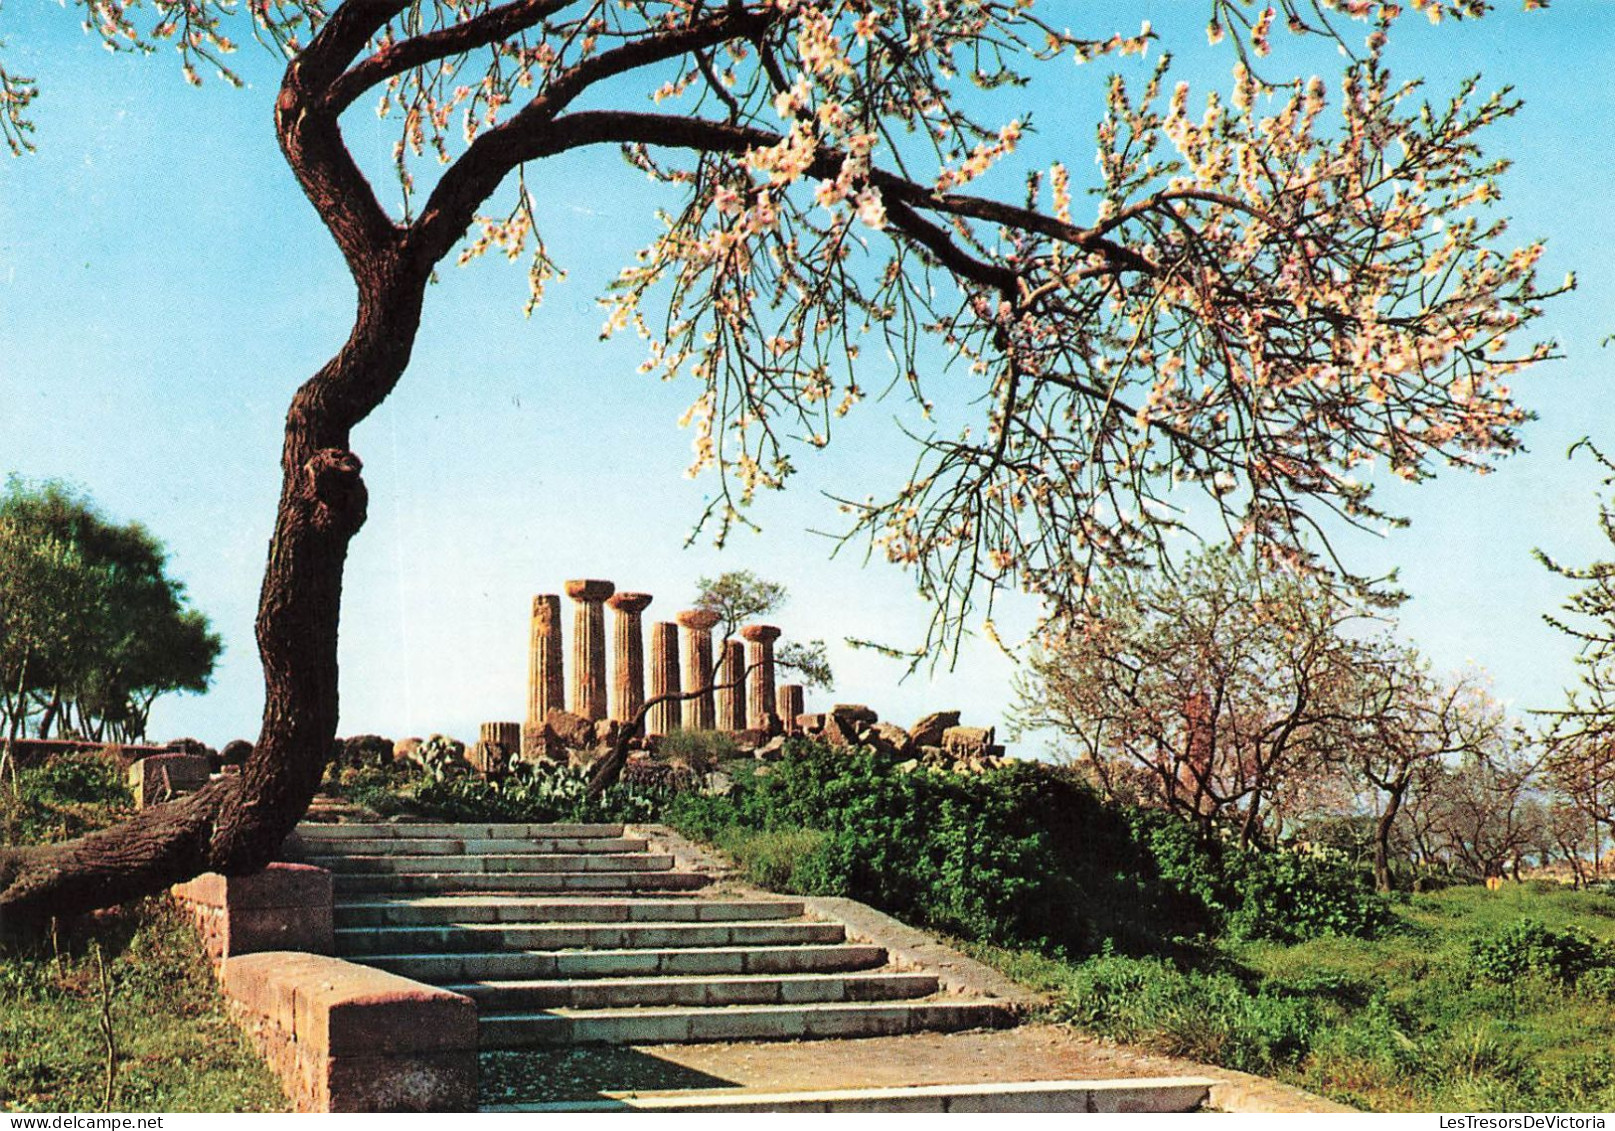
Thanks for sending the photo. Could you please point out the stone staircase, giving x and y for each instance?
(576, 934)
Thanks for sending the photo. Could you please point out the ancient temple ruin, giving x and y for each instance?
(597, 688)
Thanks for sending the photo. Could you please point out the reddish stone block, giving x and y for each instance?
(360, 1011)
(283, 907)
(343, 1037)
(280, 885)
(422, 1082)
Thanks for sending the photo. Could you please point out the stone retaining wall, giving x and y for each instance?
(344, 1037)
(37, 751)
(284, 907)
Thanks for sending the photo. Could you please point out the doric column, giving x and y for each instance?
(589, 647)
(545, 686)
(731, 696)
(627, 655)
(791, 703)
(697, 624)
(497, 746)
(664, 678)
(760, 688)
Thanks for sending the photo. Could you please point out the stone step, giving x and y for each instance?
(536, 965)
(414, 865)
(461, 831)
(433, 910)
(1144, 1094)
(736, 1023)
(378, 882)
(481, 938)
(457, 846)
(708, 990)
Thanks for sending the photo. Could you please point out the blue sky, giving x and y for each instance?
(164, 288)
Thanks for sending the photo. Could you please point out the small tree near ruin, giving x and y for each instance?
(1263, 292)
(734, 597)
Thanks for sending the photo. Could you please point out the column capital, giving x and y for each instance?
(627, 602)
(697, 619)
(590, 590)
(760, 633)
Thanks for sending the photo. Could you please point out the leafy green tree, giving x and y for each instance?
(1263, 290)
(92, 630)
(738, 596)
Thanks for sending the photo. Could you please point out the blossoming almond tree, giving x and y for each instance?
(1216, 694)
(1268, 290)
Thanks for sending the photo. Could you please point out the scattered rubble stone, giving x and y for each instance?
(855, 714)
(404, 749)
(891, 739)
(967, 741)
(563, 728)
(929, 730)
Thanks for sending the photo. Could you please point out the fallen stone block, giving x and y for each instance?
(163, 777)
(969, 742)
(929, 730)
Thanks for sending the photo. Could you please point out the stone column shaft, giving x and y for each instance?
(666, 717)
(731, 700)
(760, 688)
(589, 647)
(628, 655)
(546, 687)
(791, 703)
(699, 713)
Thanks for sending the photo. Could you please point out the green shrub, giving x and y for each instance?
(64, 797)
(1287, 896)
(1530, 947)
(699, 750)
(1027, 854)
(544, 791)
(1023, 853)
(783, 859)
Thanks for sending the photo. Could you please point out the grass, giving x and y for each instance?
(773, 858)
(1402, 1022)
(176, 1050)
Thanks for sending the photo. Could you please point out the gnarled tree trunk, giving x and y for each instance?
(236, 825)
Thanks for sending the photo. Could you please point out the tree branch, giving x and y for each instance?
(480, 31)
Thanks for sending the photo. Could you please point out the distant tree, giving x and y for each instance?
(92, 630)
(1577, 838)
(1265, 291)
(1581, 768)
(1581, 735)
(1405, 721)
(1222, 684)
(1487, 807)
(738, 596)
